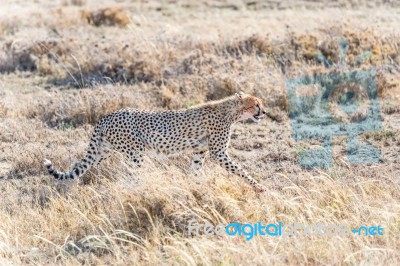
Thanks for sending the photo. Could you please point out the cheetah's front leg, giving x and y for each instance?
(223, 159)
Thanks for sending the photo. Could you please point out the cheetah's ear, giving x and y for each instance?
(239, 95)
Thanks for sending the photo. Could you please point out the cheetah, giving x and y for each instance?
(199, 130)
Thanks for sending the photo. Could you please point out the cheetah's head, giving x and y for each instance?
(250, 107)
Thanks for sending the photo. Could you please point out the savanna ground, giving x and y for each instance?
(64, 64)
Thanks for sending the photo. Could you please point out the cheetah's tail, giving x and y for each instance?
(58, 175)
(92, 158)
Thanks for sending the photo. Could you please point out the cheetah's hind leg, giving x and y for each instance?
(196, 166)
(198, 162)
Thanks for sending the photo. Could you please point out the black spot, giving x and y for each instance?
(76, 171)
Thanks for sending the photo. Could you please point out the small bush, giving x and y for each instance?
(110, 16)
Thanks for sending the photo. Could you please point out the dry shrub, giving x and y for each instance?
(129, 71)
(177, 95)
(388, 84)
(42, 56)
(82, 107)
(304, 47)
(221, 89)
(362, 47)
(383, 135)
(391, 107)
(382, 48)
(349, 92)
(254, 45)
(168, 96)
(74, 2)
(197, 63)
(70, 62)
(111, 16)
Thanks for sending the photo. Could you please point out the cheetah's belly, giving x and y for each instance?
(166, 147)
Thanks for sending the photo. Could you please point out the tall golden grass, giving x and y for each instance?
(60, 74)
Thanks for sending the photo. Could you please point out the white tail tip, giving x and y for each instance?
(47, 162)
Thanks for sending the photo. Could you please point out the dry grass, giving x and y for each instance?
(108, 16)
(73, 62)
